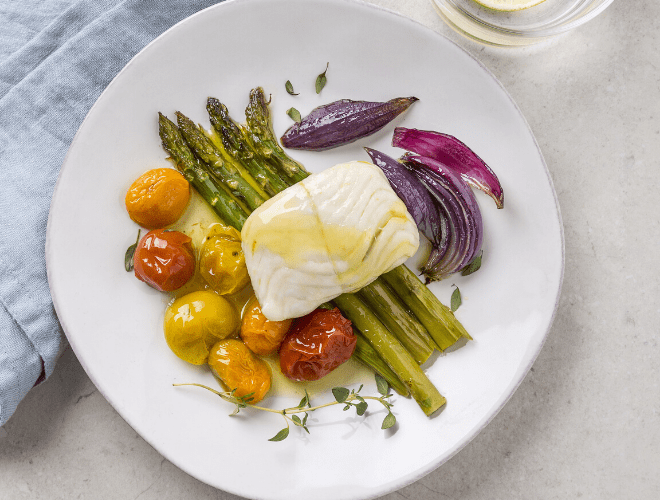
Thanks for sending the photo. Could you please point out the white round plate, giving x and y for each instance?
(114, 322)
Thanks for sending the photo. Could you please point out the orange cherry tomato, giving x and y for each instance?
(237, 368)
(318, 343)
(164, 260)
(260, 334)
(157, 198)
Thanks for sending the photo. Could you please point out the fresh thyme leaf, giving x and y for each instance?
(473, 266)
(130, 252)
(304, 401)
(382, 385)
(359, 389)
(280, 436)
(389, 421)
(289, 88)
(321, 80)
(456, 300)
(340, 394)
(294, 114)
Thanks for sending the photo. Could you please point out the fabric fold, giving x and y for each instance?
(47, 86)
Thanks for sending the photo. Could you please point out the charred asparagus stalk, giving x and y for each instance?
(260, 133)
(190, 167)
(393, 314)
(368, 356)
(433, 314)
(393, 353)
(237, 147)
(209, 153)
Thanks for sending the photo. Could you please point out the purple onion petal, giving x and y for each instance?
(342, 122)
(464, 214)
(437, 266)
(414, 195)
(454, 154)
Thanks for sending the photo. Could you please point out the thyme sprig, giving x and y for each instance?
(349, 398)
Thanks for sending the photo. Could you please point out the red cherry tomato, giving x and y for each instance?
(164, 260)
(317, 344)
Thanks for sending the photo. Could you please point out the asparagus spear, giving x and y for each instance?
(190, 167)
(368, 355)
(237, 147)
(209, 153)
(433, 314)
(393, 314)
(259, 131)
(392, 352)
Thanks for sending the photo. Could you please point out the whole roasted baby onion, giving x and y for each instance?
(342, 122)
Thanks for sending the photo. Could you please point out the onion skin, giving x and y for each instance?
(463, 213)
(342, 122)
(455, 155)
(415, 196)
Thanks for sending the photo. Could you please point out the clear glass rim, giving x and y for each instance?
(565, 23)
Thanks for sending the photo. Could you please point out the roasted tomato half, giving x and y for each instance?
(239, 369)
(158, 198)
(317, 344)
(260, 334)
(164, 259)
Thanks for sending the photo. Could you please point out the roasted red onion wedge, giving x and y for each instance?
(457, 201)
(417, 199)
(454, 154)
(342, 122)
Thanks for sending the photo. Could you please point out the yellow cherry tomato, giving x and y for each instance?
(240, 370)
(196, 321)
(221, 260)
(260, 334)
(157, 198)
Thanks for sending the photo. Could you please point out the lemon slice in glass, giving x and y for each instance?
(508, 5)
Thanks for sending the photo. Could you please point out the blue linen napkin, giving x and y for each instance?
(56, 57)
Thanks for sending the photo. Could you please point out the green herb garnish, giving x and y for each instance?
(128, 256)
(349, 398)
(473, 266)
(294, 114)
(289, 88)
(456, 299)
(321, 80)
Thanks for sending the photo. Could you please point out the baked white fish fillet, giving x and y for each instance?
(332, 233)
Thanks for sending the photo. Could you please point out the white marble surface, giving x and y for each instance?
(585, 423)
